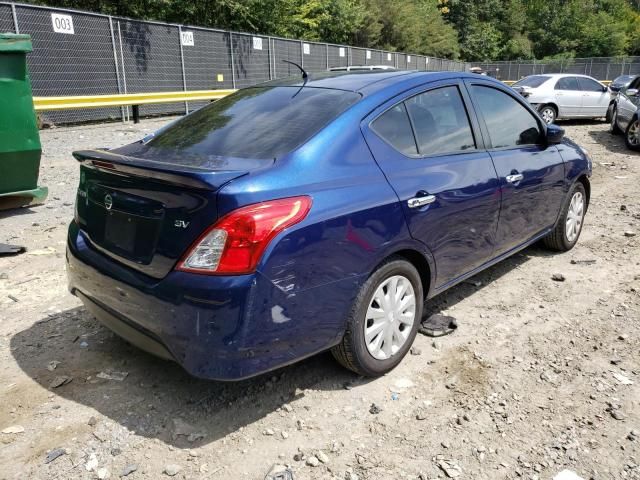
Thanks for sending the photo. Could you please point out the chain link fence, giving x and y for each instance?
(83, 53)
(601, 68)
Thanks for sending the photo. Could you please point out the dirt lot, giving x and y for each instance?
(542, 376)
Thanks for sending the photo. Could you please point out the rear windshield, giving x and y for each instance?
(259, 123)
(533, 81)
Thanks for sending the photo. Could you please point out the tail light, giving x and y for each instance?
(236, 242)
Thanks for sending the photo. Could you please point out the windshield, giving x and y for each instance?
(533, 81)
(623, 79)
(256, 123)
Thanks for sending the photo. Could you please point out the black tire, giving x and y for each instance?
(548, 113)
(352, 352)
(557, 240)
(615, 129)
(607, 117)
(634, 125)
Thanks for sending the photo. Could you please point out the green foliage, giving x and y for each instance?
(474, 30)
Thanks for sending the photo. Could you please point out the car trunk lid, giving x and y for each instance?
(145, 213)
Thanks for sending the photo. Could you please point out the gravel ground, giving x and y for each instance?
(542, 376)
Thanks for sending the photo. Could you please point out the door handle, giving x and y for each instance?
(416, 202)
(514, 177)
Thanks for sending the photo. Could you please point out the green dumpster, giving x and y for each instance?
(19, 139)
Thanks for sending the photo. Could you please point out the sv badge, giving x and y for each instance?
(181, 224)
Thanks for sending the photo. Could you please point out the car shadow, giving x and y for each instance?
(465, 289)
(158, 399)
(613, 143)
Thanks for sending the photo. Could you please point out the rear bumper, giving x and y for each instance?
(222, 328)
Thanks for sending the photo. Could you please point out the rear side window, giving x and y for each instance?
(588, 85)
(260, 123)
(567, 83)
(508, 122)
(533, 81)
(394, 127)
(440, 122)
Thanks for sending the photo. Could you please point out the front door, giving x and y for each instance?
(628, 104)
(531, 174)
(595, 98)
(433, 158)
(568, 97)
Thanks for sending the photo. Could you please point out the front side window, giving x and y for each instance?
(509, 123)
(588, 85)
(394, 127)
(567, 83)
(635, 84)
(440, 122)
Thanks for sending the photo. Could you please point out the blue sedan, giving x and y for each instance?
(315, 214)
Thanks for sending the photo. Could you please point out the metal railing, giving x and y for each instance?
(78, 53)
(134, 100)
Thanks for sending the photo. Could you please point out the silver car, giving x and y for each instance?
(625, 115)
(562, 95)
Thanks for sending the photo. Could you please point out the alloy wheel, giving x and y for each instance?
(633, 134)
(548, 115)
(390, 317)
(575, 215)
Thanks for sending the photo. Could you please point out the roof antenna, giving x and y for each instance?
(304, 74)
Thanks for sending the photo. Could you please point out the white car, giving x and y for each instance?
(564, 95)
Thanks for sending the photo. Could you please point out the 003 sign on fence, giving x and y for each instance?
(62, 23)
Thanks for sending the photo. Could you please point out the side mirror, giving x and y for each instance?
(605, 88)
(555, 134)
(632, 92)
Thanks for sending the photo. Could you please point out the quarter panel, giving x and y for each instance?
(354, 218)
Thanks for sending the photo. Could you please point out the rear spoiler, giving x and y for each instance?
(191, 177)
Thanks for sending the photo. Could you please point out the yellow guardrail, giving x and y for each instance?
(42, 104)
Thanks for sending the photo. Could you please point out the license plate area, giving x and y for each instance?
(120, 233)
(130, 236)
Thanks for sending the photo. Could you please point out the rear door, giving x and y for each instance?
(531, 174)
(430, 149)
(568, 96)
(595, 98)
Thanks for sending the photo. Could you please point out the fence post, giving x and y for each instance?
(115, 63)
(301, 53)
(124, 74)
(15, 18)
(327, 51)
(184, 75)
(271, 58)
(233, 66)
(608, 65)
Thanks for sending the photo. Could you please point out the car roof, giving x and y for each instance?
(560, 75)
(363, 82)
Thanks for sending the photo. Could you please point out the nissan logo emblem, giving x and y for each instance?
(108, 202)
